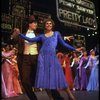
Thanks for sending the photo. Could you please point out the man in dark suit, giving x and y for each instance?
(27, 57)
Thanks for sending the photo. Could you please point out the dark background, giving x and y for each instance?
(49, 6)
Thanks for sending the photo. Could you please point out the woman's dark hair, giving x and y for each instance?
(49, 19)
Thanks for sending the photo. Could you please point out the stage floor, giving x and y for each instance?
(80, 95)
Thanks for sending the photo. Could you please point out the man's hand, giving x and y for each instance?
(15, 32)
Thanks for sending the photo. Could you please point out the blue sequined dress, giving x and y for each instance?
(49, 71)
(93, 84)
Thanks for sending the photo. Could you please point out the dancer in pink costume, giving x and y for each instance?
(10, 83)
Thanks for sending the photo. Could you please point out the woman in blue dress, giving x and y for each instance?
(94, 78)
(49, 71)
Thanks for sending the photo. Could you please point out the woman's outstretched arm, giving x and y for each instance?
(35, 39)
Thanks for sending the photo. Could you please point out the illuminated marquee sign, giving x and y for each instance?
(18, 10)
(77, 12)
(6, 22)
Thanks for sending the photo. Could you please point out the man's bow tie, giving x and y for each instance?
(30, 32)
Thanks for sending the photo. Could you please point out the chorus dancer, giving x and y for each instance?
(16, 83)
(68, 71)
(75, 62)
(74, 66)
(8, 89)
(93, 63)
(60, 56)
(83, 78)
